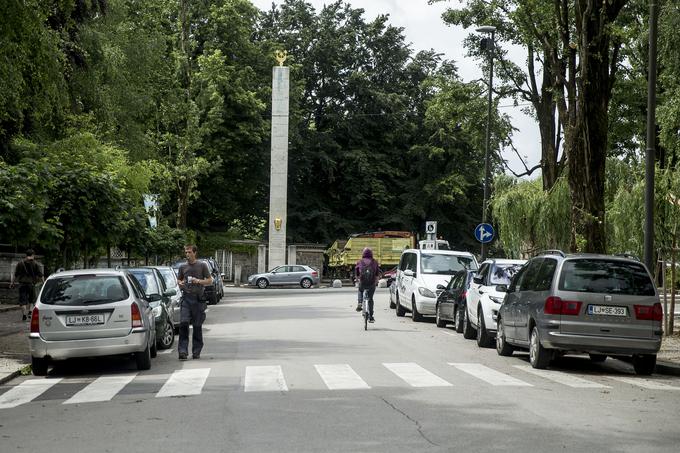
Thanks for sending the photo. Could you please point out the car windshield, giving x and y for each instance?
(168, 277)
(503, 273)
(145, 278)
(83, 290)
(437, 263)
(606, 276)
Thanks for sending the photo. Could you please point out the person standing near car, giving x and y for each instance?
(193, 277)
(367, 272)
(28, 273)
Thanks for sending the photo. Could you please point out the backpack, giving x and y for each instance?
(367, 275)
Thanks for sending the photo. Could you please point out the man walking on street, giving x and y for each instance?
(28, 273)
(193, 276)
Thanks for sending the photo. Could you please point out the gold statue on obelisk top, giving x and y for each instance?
(280, 56)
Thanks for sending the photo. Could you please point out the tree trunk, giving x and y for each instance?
(671, 309)
(182, 204)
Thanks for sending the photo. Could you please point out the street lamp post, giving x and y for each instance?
(651, 140)
(488, 44)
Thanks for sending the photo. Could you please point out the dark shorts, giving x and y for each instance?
(26, 294)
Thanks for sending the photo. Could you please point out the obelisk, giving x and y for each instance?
(278, 180)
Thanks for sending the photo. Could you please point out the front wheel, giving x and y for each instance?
(400, 309)
(468, 331)
(459, 319)
(306, 283)
(483, 337)
(168, 336)
(438, 320)
(502, 347)
(539, 357)
(262, 283)
(415, 314)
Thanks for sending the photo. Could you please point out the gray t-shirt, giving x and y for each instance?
(197, 270)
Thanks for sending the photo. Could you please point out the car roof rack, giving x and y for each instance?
(551, 252)
(628, 255)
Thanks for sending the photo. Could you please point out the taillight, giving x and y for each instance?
(315, 274)
(649, 313)
(35, 321)
(463, 295)
(136, 316)
(556, 306)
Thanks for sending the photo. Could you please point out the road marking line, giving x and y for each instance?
(449, 333)
(166, 351)
(649, 384)
(26, 392)
(102, 389)
(563, 378)
(415, 375)
(490, 375)
(340, 377)
(184, 382)
(265, 379)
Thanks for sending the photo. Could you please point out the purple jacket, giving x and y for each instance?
(367, 260)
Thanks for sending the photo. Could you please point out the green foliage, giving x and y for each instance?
(530, 219)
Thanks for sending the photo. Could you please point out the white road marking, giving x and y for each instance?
(26, 392)
(184, 382)
(563, 378)
(649, 384)
(102, 389)
(450, 334)
(340, 377)
(165, 351)
(415, 375)
(489, 375)
(265, 379)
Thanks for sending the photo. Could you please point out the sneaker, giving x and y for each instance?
(371, 319)
(359, 307)
(196, 356)
(183, 356)
(23, 317)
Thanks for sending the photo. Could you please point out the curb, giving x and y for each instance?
(668, 368)
(9, 308)
(11, 376)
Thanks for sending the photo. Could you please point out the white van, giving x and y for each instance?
(419, 273)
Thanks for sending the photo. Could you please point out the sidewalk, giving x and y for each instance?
(14, 355)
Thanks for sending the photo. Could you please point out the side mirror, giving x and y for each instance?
(478, 280)
(170, 292)
(153, 297)
(502, 288)
(409, 273)
(440, 286)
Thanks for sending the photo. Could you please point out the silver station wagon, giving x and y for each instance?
(597, 304)
(91, 312)
(304, 276)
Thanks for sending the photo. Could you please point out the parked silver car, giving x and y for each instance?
(170, 280)
(92, 312)
(596, 304)
(304, 276)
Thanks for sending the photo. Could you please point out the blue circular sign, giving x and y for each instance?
(484, 233)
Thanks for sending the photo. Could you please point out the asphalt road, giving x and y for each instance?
(293, 370)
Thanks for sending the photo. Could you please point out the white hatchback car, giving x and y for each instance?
(92, 312)
(419, 273)
(484, 301)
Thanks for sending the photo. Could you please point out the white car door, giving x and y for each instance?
(407, 281)
(475, 292)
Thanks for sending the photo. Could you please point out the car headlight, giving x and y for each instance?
(157, 311)
(498, 300)
(426, 292)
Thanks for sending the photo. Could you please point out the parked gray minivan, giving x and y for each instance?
(602, 305)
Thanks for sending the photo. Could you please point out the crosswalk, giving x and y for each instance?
(334, 377)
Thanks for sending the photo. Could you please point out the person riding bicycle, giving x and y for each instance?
(367, 272)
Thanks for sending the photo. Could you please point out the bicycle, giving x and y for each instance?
(364, 309)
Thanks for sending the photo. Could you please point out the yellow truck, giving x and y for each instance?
(386, 246)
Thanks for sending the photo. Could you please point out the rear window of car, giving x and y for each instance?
(83, 290)
(146, 280)
(606, 277)
(169, 277)
(436, 263)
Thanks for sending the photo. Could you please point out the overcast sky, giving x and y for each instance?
(425, 29)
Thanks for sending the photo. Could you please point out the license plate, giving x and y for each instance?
(607, 310)
(84, 320)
